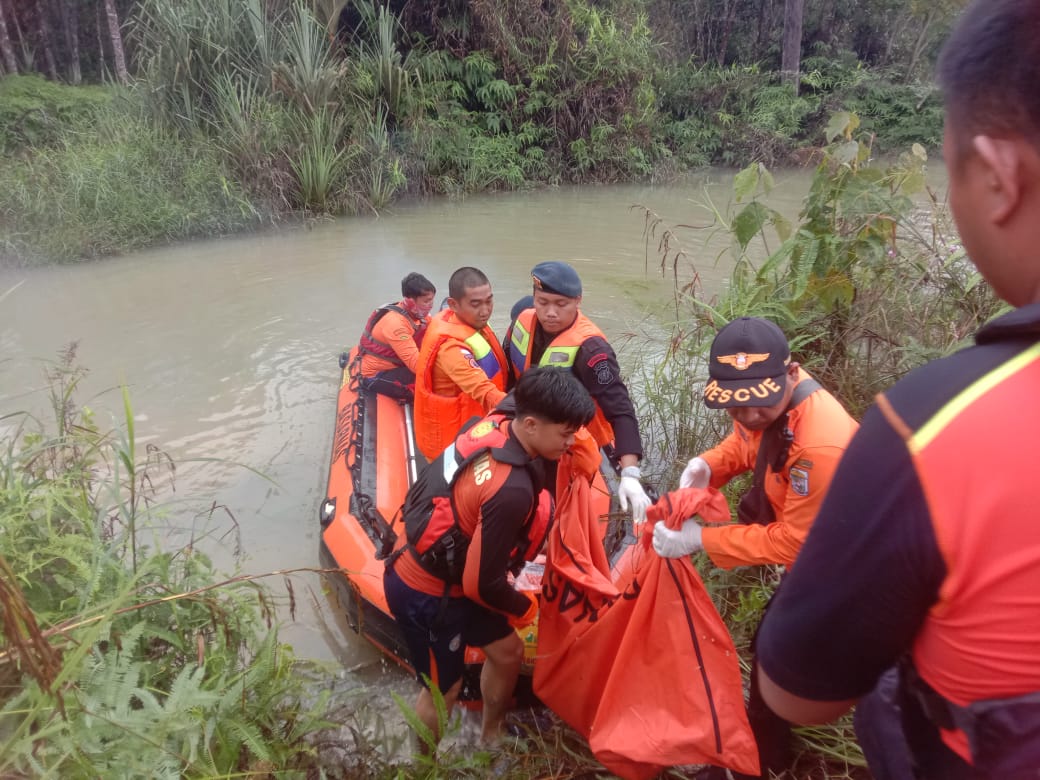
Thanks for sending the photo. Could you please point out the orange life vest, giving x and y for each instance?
(369, 345)
(561, 353)
(431, 525)
(442, 416)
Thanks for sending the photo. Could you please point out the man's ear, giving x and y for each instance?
(1002, 169)
(528, 423)
(453, 304)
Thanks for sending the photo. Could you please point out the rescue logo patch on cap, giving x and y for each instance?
(747, 365)
(742, 361)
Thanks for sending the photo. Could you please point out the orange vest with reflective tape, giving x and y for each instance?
(440, 417)
(561, 352)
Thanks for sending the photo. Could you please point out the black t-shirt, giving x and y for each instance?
(502, 516)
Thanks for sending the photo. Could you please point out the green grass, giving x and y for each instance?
(122, 185)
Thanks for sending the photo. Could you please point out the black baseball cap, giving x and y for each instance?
(747, 365)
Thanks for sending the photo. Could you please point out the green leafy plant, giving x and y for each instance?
(119, 659)
(321, 159)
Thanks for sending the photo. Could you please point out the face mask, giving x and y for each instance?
(418, 310)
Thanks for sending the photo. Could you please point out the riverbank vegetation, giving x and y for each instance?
(221, 116)
(123, 658)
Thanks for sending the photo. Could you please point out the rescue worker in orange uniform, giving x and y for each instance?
(486, 494)
(790, 433)
(461, 368)
(389, 345)
(926, 553)
(554, 332)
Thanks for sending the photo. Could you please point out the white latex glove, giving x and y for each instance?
(630, 490)
(697, 474)
(677, 544)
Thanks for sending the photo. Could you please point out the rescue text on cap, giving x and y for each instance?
(747, 365)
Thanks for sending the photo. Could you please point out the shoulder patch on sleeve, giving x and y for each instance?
(599, 357)
(799, 481)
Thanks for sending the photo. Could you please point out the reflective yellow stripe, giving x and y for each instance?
(966, 397)
(520, 338)
(559, 357)
(483, 355)
(479, 345)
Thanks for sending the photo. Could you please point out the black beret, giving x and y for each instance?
(556, 277)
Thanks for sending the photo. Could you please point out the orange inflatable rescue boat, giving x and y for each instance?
(374, 461)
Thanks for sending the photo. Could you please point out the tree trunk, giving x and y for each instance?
(70, 21)
(46, 41)
(765, 27)
(727, 28)
(895, 32)
(6, 49)
(919, 44)
(791, 57)
(118, 57)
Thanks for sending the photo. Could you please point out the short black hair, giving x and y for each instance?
(554, 395)
(465, 278)
(988, 71)
(414, 285)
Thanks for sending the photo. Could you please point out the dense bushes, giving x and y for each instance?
(115, 184)
(247, 110)
(35, 112)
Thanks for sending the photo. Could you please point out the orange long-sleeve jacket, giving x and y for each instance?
(460, 374)
(398, 332)
(822, 430)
